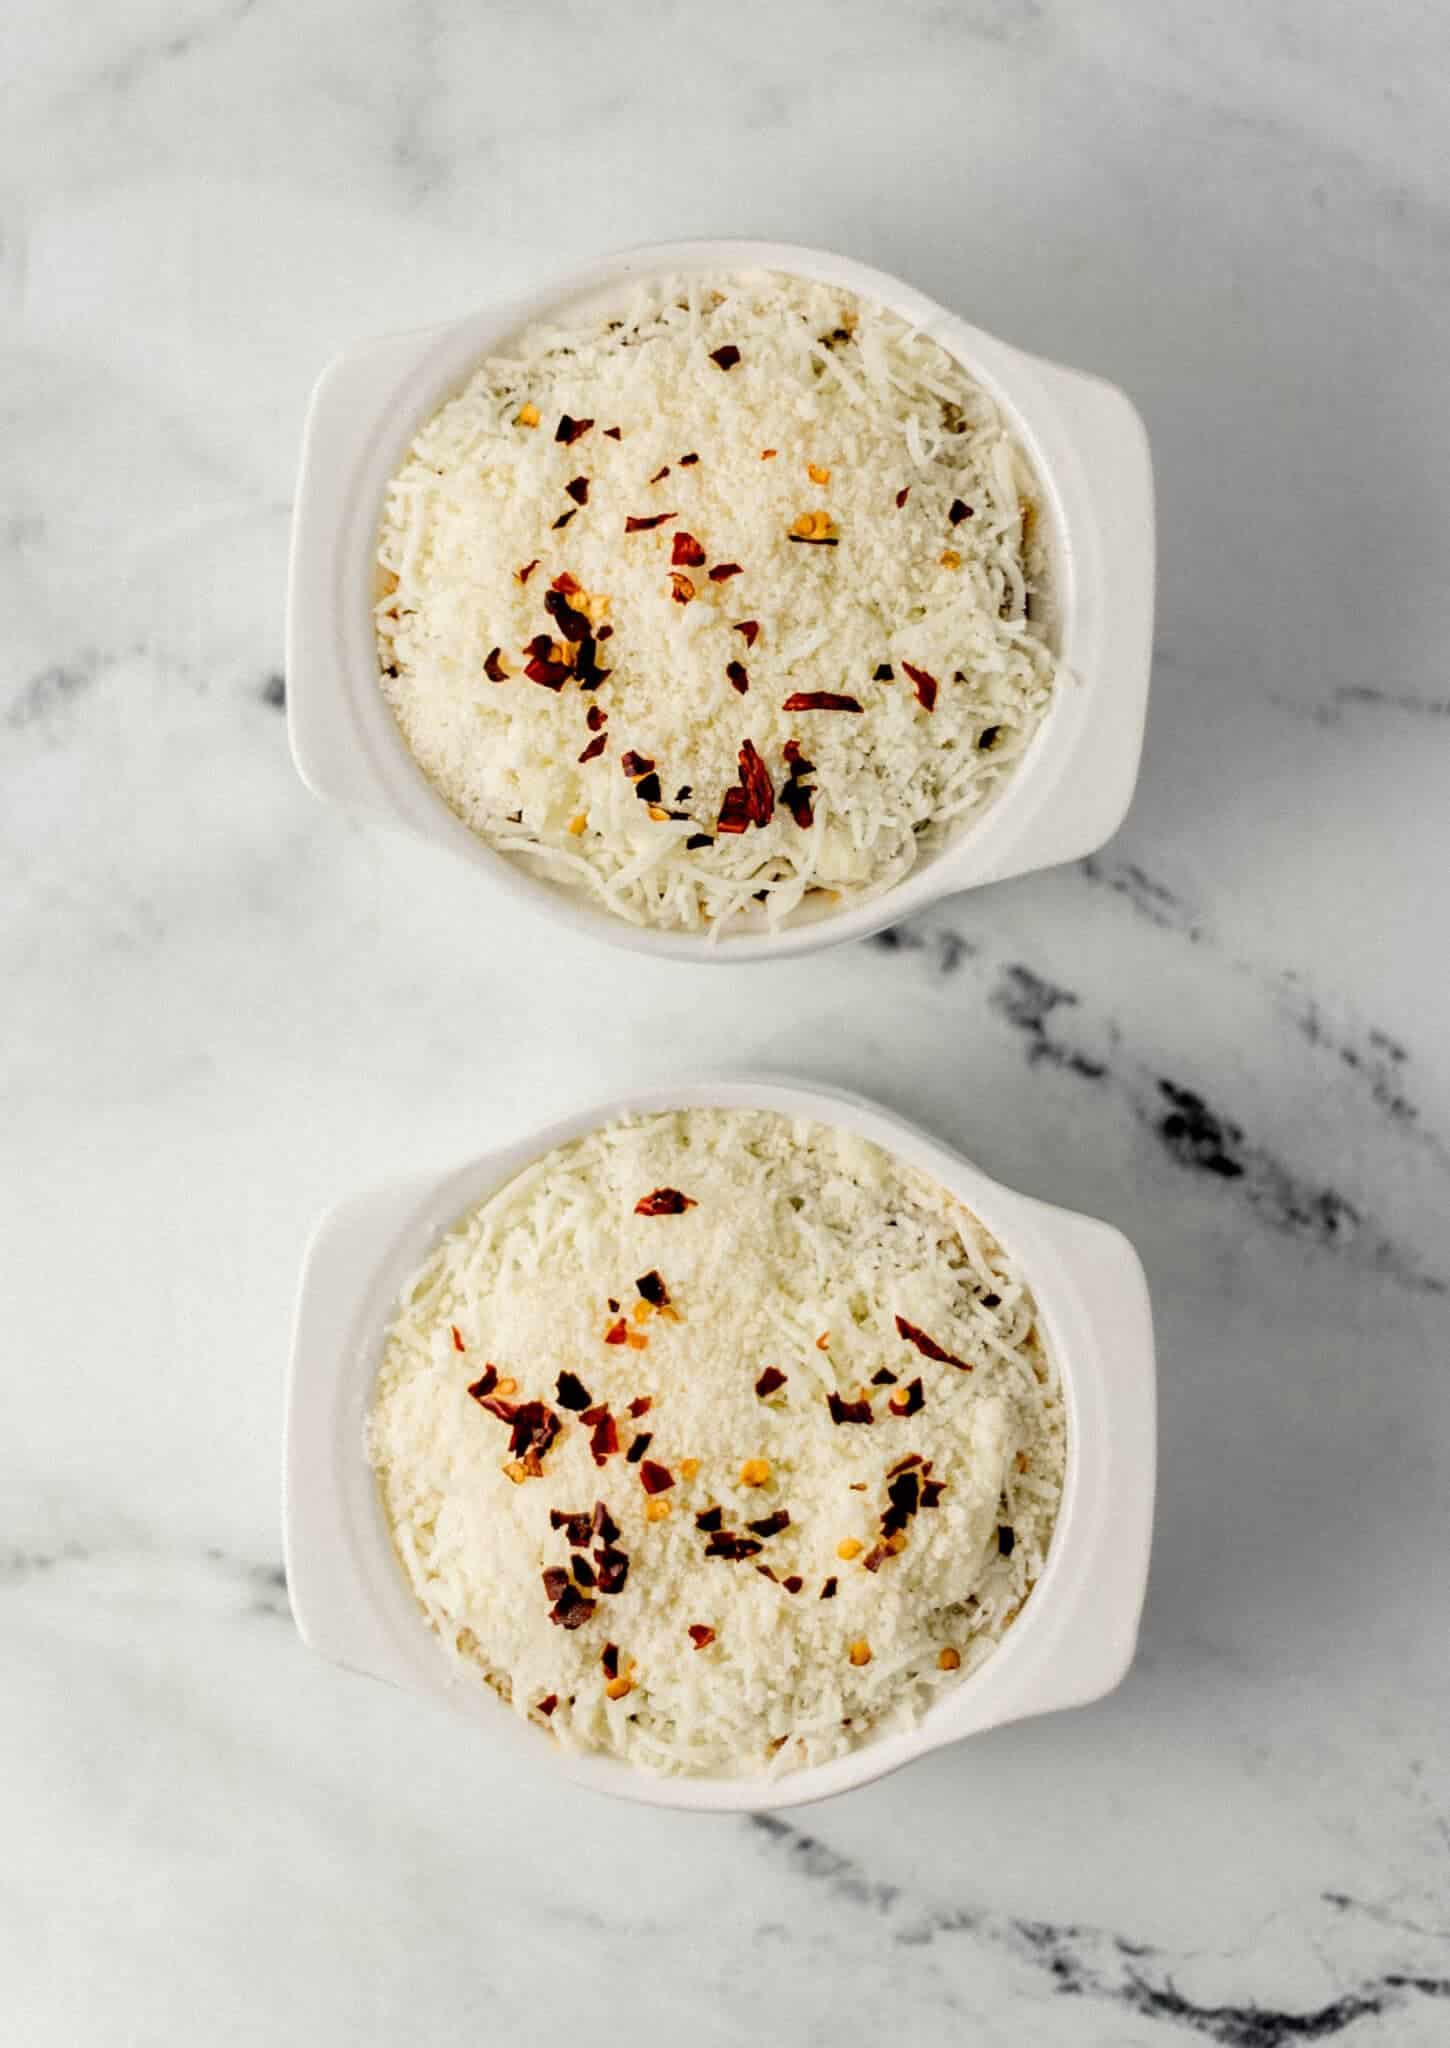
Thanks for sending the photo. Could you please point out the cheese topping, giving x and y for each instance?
(741, 514)
(718, 1441)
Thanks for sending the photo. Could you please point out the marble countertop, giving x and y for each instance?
(225, 1007)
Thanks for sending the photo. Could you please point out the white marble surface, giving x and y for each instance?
(224, 1008)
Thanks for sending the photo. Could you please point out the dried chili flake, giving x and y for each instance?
(635, 764)
(828, 1591)
(902, 496)
(640, 1405)
(634, 525)
(552, 674)
(527, 571)
(609, 1658)
(885, 1378)
(647, 789)
(660, 474)
(555, 1580)
(768, 1572)
(617, 1332)
(651, 1288)
(604, 1438)
(571, 1610)
(578, 489)
(573, 1393)
(988, 738)
(932, 1492)
(613, 434)
(909, 1401)
(638, 1448)
(819, 700)
(1006, 1540)
(884, 673)
(655, 1478)
(565, 582)
(904, 1494)
(548, 1703)
(959, 512)
(848, 1411)
(606, 631)
(613, 1569)
(664, 1202)
(577, 1528)
(563, 519)
(534, 1427)
(699, 1635)
(749, 630)
(904, 1464)
(793, 1584)
(926, 685)
(458, 1343)
(709, 1519)
(928, 1346)
(770, 1525)
(595, 717)
(770, 1382)
(681, 588)
(568, 431)
(686, 460)
(726, 357)
(736, 671)
(756, 782)
(685, 551)
(876, 1557)
(697, 840)
(723, 571)
(493, 666)
(734, 810)
(797, 761)
(734, 1549)
(482, 1388)
(571, 623)
(594, 749)
(584, 1572)
(603, 1524)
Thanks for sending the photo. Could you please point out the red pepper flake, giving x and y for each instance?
(617, 1332)
(652, 1289)
(634, 525)
(685, 551)
(932, 1492)
(572, 1392)
(584, 1573)
(681, 588)
(734, 1549)
(686, 460)
(726, 357)
(1006, 1541)
(647, 789)
(609, 1658)
(749, 629)
(926, 685)
(578, 1527)
(556, 1579)
(819, 700)
(756, 782)
(635, 764)
(664, 1202)
(458, 1343)
(909, 1401)
(902, 496)
(604, 1525)
(613, 1567)
(638, 1448)
(578, 490)
(699, 1635)
(595, 717)
(828, 1591)
(768, 1572)
(988, 738)
(613, 1306)
(848, 1411)
(905, 1464)
(571, 1610)
(770, 1382)
(904, 1494)
(793, 1584)
(613, 434)
(568, 431)
(885, 1378)
(572, 624)
(606, 631)
(709, 1519)
(874, 1559)
(534, 1427)
(797, 761)
(697, 840)
(527, 571)
(655, 1478)
(565, 582)
(594, 749)
(548, 1703)
(482, 1388)
(493, 666)
(640, 1405)
(604, 1438)
(660, 474)
(770, 1525)
(736, 671)
(723, 571)
(734, 810)
(928, 1346)
(884, 673)
(552, 674)
(563, 519)
(959, 512)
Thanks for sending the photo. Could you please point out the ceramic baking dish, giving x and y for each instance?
(1077, 1632)
(1083, 437)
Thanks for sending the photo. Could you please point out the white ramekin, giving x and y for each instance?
(1076, 1636)
(1085, 441)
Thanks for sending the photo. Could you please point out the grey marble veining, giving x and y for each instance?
(224, 1008)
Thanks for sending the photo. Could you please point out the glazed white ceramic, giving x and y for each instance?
(1077, 1632)
(1086, 443)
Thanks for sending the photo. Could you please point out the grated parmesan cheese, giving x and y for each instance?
(799, 1251)
(837, 579)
